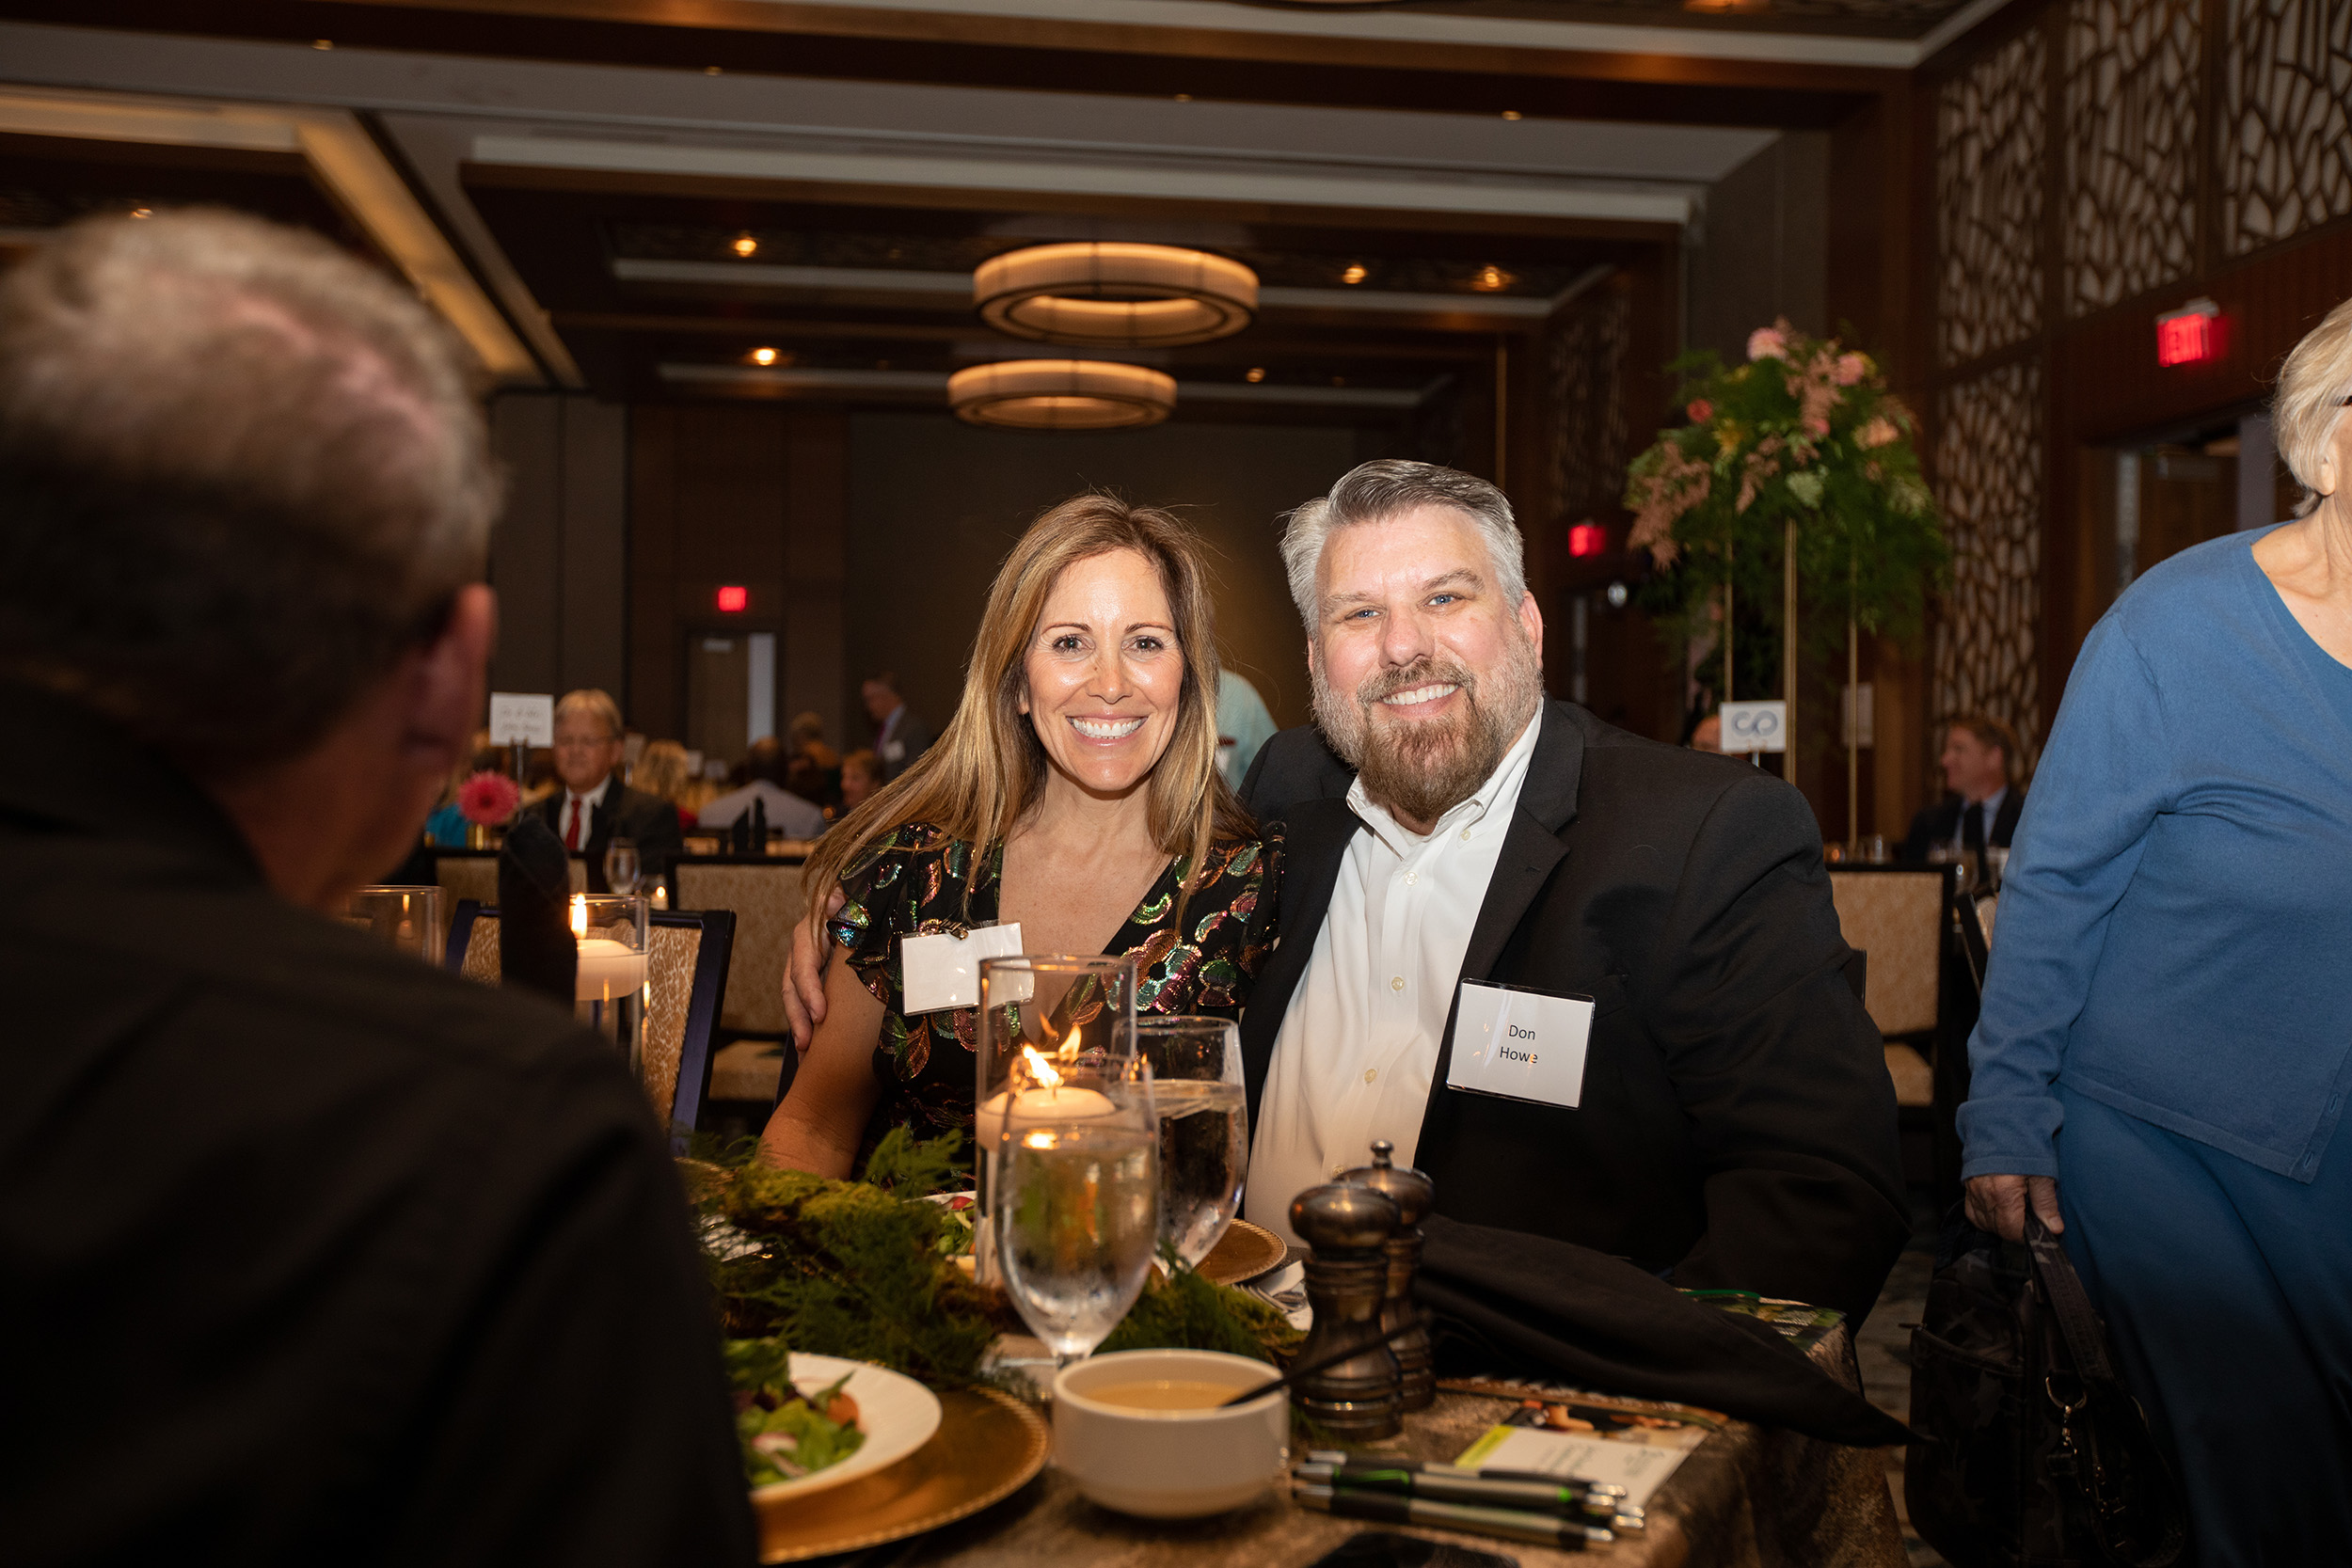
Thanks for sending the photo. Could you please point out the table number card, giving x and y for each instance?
(525, 716)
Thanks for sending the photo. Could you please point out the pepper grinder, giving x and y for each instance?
(1347, 1275)
(1414, 1195)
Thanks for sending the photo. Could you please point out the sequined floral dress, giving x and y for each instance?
(909, 882)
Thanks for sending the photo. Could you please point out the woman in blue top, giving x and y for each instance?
(2166, 1043)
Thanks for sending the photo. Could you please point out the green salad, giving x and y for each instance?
(786, 1434)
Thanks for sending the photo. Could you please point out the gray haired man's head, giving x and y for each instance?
(1388, 487)
(1421, 637)
(242, 472)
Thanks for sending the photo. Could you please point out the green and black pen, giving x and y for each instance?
(1448, 1483)
(1394, 1508)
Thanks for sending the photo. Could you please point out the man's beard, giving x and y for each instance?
(1421, 768)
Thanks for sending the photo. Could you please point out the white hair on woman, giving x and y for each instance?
(1378, 491)
(2313, 386)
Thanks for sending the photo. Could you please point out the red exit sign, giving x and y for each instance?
(2190, 334)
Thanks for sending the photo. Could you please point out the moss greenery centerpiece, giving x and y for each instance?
(1795, 481)
(867, 1270)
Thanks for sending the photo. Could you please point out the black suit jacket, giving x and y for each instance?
(1940, 824)
(1737, 1127)
(645, 820)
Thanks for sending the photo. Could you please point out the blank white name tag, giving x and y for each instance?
(943, 971)
(1520, 1044)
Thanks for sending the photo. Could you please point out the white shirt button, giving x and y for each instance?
(1465, 833)
(1370, 1073)
(1398, 983)
(1338, 1171)
(1411, 876)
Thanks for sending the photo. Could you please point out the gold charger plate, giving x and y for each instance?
(1244, 1252)
(987, 1448)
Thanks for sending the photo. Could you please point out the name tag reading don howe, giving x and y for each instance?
(1520, 1044)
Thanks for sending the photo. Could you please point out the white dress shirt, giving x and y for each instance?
(589, 805)
(1358, 1047)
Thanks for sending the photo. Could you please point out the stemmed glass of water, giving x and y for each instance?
(620, 866)
(1077, 1202)
(1203, 1126)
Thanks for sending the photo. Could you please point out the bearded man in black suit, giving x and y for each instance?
(1731, 1124)
(594, 807)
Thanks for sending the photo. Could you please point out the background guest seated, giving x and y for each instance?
(765, 768)
(861, 775)
(594, 807)
(661, 773)
(1980, 765)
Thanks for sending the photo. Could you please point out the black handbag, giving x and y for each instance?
(2032, 1454)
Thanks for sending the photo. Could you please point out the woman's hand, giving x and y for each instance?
(1997, 1203)
(804, 972)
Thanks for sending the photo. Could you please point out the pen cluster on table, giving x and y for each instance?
(1365, 1232)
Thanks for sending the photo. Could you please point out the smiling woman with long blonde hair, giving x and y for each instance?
(1075, 793)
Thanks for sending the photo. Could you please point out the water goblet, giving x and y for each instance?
(620, 866)
(1077, 1202)
(1203, 1126)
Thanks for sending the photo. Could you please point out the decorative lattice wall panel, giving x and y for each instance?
(2283, 137)
(1989, 477)
(1992, 137)
(1584, 364)
(2130, 148)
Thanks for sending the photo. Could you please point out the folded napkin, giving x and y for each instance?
(1532, 1305)
(535, 947)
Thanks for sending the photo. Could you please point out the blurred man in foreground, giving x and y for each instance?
(310, 1252)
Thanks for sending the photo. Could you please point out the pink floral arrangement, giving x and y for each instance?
(489, 798)
(1806, 434)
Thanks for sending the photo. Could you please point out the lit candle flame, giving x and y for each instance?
(1069, 1051)
(580, 916)
(1043, 1068)
(1040, 1140)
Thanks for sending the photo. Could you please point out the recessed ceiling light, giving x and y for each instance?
(1256, 373)
(1355, 274)
(711, 70)
(142, 211)
(322, 43)
(1491, 277)
(1184, 97)
(1339, 381)
(1510, 114)
(763, 357)
(1725, 8)
(746, 245)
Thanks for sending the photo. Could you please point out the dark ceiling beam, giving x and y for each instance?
(1259, 344)
(669, 186)
(759, 37)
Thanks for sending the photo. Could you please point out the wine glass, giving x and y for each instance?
(621, 868)
(1077, 1202)
(1204, 1127)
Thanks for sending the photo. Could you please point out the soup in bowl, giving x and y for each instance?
(1148, 1432)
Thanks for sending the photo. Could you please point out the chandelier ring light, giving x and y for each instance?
(1061, 394)
(1104, 293)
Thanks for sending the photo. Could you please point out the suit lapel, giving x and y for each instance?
(1316, 835)
(1532, 851)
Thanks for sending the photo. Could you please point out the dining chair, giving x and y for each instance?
(686, 963)
(764, 893)
(474, 874)
(1902, 917)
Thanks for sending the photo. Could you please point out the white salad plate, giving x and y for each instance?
(897, 1414)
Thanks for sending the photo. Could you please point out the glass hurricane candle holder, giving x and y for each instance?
(1052, 1027)
(407, 918)
(610, 931)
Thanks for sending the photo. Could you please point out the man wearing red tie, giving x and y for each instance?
(594, 807)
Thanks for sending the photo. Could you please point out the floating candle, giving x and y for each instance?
(609, 970)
